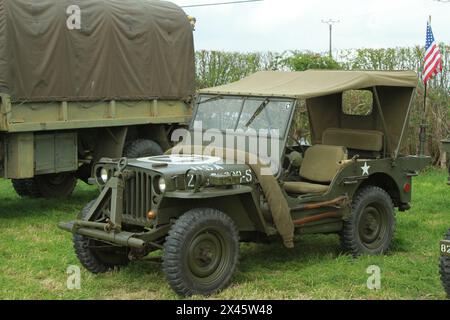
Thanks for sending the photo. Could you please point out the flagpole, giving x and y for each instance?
(423, 125)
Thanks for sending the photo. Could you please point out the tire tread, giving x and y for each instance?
(84, 254)
(173, 248)
(26, 188)
(142, 148)
(348, 239)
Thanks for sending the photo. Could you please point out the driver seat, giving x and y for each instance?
(319, 167)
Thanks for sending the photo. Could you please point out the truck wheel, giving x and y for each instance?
(201, 252)
(26, 188)
(371, 225)
(96, 256)
(142, 148)
(445, 270)
(58, 185)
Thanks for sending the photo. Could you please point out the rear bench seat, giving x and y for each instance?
(366, 143)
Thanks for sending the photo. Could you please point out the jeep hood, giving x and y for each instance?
(176, 164)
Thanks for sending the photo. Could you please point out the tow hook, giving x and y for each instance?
(109, 227)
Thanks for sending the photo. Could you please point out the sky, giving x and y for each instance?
(280, 25)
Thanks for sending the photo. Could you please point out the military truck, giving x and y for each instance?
(445, 244)
(197, 202)
(84, 80)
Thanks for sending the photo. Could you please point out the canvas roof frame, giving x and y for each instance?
(393, 94)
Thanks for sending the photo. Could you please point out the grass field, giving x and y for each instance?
(34, 256)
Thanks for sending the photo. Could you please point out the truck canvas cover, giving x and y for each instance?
(54, 50)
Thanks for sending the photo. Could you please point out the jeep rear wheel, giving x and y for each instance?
(445, 270)
(97, 256)
(57, 185)
(371, 225)
(201, 252)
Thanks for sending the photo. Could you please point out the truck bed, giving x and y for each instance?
(65, 115)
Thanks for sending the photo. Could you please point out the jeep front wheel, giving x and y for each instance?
(201, 252)
(371, 225)
(96, 256)
(445, 270)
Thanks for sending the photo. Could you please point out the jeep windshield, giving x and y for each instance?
(244, 113)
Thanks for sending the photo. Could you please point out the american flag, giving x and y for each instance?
(433, 57)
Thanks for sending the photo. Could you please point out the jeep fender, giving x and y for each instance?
(240, 204)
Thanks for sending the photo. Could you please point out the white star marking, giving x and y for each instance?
(365, 169)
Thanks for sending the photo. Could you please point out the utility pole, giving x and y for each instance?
(330, 23)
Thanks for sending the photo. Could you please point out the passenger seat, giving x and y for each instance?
(319, 167)
(365, 143)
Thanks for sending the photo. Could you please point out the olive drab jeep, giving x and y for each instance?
(344, 174)
(445, 244)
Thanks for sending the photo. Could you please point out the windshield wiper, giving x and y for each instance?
(257, 112)
(211, 99)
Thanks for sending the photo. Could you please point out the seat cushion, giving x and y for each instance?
(321, 163)
(367, 140)
(304, 187)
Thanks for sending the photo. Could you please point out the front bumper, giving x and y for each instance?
(98, 231)
(130, 201)
(111, 230)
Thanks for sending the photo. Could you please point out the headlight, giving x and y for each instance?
(162, 184)
(104, 175)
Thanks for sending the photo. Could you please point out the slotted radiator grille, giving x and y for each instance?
(138, 197)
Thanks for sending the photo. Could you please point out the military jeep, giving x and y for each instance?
(445, 244)
(344, 174)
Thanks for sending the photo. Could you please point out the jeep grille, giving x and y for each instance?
(137, 195)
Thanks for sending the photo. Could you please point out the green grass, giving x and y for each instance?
(34, 256)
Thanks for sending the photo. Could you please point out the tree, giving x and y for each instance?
(304, 61)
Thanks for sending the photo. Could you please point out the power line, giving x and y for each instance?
(330, 23)
(219, 3)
